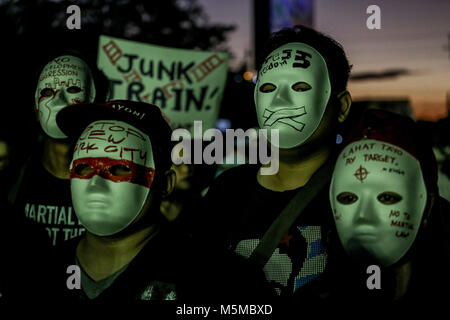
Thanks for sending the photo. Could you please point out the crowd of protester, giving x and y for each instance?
(106, 226)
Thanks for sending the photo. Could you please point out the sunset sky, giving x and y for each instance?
(413, 42)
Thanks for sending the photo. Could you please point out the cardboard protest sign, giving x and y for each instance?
(187, 85)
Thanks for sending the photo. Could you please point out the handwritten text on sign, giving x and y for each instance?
(186, 84)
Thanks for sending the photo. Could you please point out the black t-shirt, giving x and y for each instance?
(149, 276)
(47, 202)
(25, 258)
(237, 211)
(169, 267)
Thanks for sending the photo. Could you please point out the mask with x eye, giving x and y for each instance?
(292, 93)
(64, 81)
(378, 197)
(111, 175)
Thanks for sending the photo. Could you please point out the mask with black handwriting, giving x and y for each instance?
(292, 93)
(378, 197)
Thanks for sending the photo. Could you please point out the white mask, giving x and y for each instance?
(63, 81)
(106, 196)
(378, 197)
(292, 93)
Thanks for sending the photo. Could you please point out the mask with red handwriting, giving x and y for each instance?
(63, 81)
(111, 174)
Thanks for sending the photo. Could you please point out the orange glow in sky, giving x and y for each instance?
(413, 37)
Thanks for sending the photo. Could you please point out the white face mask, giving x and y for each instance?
(292, 93)
(378, 197)
(111, 174)
(63, 81)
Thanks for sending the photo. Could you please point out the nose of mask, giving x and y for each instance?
(61, 99)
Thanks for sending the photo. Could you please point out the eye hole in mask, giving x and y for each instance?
(46, 92)
(83, 169)
(73, 89)
(347, 198)
(120, 170)
(301, 86)
(389, 197)
(267, 87)
(112, 169)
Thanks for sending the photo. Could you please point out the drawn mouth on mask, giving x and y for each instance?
(49, 115)
(285, 116)
(50, 109)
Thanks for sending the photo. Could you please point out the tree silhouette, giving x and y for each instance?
(175, 23)
(31, 31)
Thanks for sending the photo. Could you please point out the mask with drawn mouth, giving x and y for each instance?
(292, 93)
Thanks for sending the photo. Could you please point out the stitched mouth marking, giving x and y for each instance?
(286, 116)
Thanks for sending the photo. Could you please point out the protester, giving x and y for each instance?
(301, 92)
(42, 190)
(388, 215)
(180, 208)
(120, 172)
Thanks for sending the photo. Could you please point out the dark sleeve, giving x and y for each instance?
(210, 214)
(218, 209)
(26, 257)
(214, 276)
